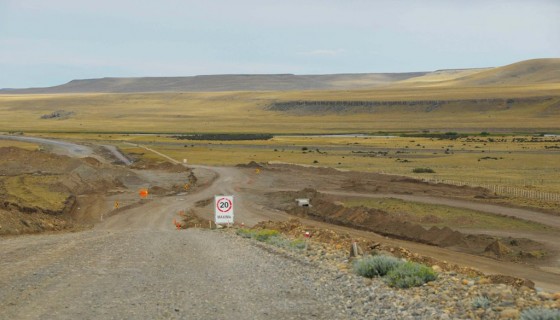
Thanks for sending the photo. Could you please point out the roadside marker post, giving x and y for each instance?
(223, 210)
(307, 235)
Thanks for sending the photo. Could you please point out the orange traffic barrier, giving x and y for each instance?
(143, 193)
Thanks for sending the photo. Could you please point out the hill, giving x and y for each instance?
(215, 83)
(537, 71)
(529, 72)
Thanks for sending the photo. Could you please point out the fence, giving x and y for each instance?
(500, 189)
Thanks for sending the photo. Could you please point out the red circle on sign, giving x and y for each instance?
(224, 205)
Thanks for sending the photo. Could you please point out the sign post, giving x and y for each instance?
(223, 209)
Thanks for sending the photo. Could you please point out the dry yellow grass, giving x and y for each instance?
(525, 165)
(245, 111)
(19, 144)
(35, 192)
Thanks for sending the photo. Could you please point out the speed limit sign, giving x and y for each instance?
(223, 209)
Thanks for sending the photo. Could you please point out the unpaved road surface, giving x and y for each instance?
(153, 274)
(136, 265)
(59, 147)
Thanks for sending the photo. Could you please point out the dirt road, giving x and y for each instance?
(239, 183)
(136, 265)
(152, 274)
(58, 146)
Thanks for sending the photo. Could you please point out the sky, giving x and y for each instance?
(50, 42)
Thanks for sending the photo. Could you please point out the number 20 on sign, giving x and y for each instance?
(223, 209)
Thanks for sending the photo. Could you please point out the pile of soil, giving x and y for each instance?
(166, 166)
(68, 177)
(14, 222)
(190, 219)
(396, 226)
(294, 176)
(340, 241)
(250, 165)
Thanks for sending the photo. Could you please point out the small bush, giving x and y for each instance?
(245, 233)
(376, 266)
(423, 170)
(278, 241)
(480, 302)
(540, 314)
(272, 237)
(410, 274)
(298, 244)
(265, 234)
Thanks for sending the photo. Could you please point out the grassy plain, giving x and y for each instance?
(246, 112)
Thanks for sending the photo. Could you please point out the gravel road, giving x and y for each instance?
(136, 265)
(187, 274)
(59, 147)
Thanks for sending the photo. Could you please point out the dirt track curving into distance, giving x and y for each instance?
(135, 264)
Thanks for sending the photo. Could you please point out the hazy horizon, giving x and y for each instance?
(51, 43)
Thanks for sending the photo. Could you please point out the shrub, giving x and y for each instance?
(298, 244)
(278, 241)
(423, 170)
(245, 233)
(410, 274)
(480, 302)
(265, 234)
(272, 237)
(376, 266)
(540, 314)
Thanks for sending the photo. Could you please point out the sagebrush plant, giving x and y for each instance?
(480, 302)
(297, 244)
(272, 237)
(245, 233)
(265, 234)
(540, 314)
(278, 241)
(376, 266)
(410, 274)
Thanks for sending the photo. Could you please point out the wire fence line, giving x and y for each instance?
(500, 189)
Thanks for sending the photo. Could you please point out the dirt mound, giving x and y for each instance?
(41, 191)
(251, 165)
(399, 227)
(337, 240)
(143, 164)
(295, 228)
(294, 176)
(190, 219)
(92, 161)
(16, 161)
(498, 249)
(13, 222)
